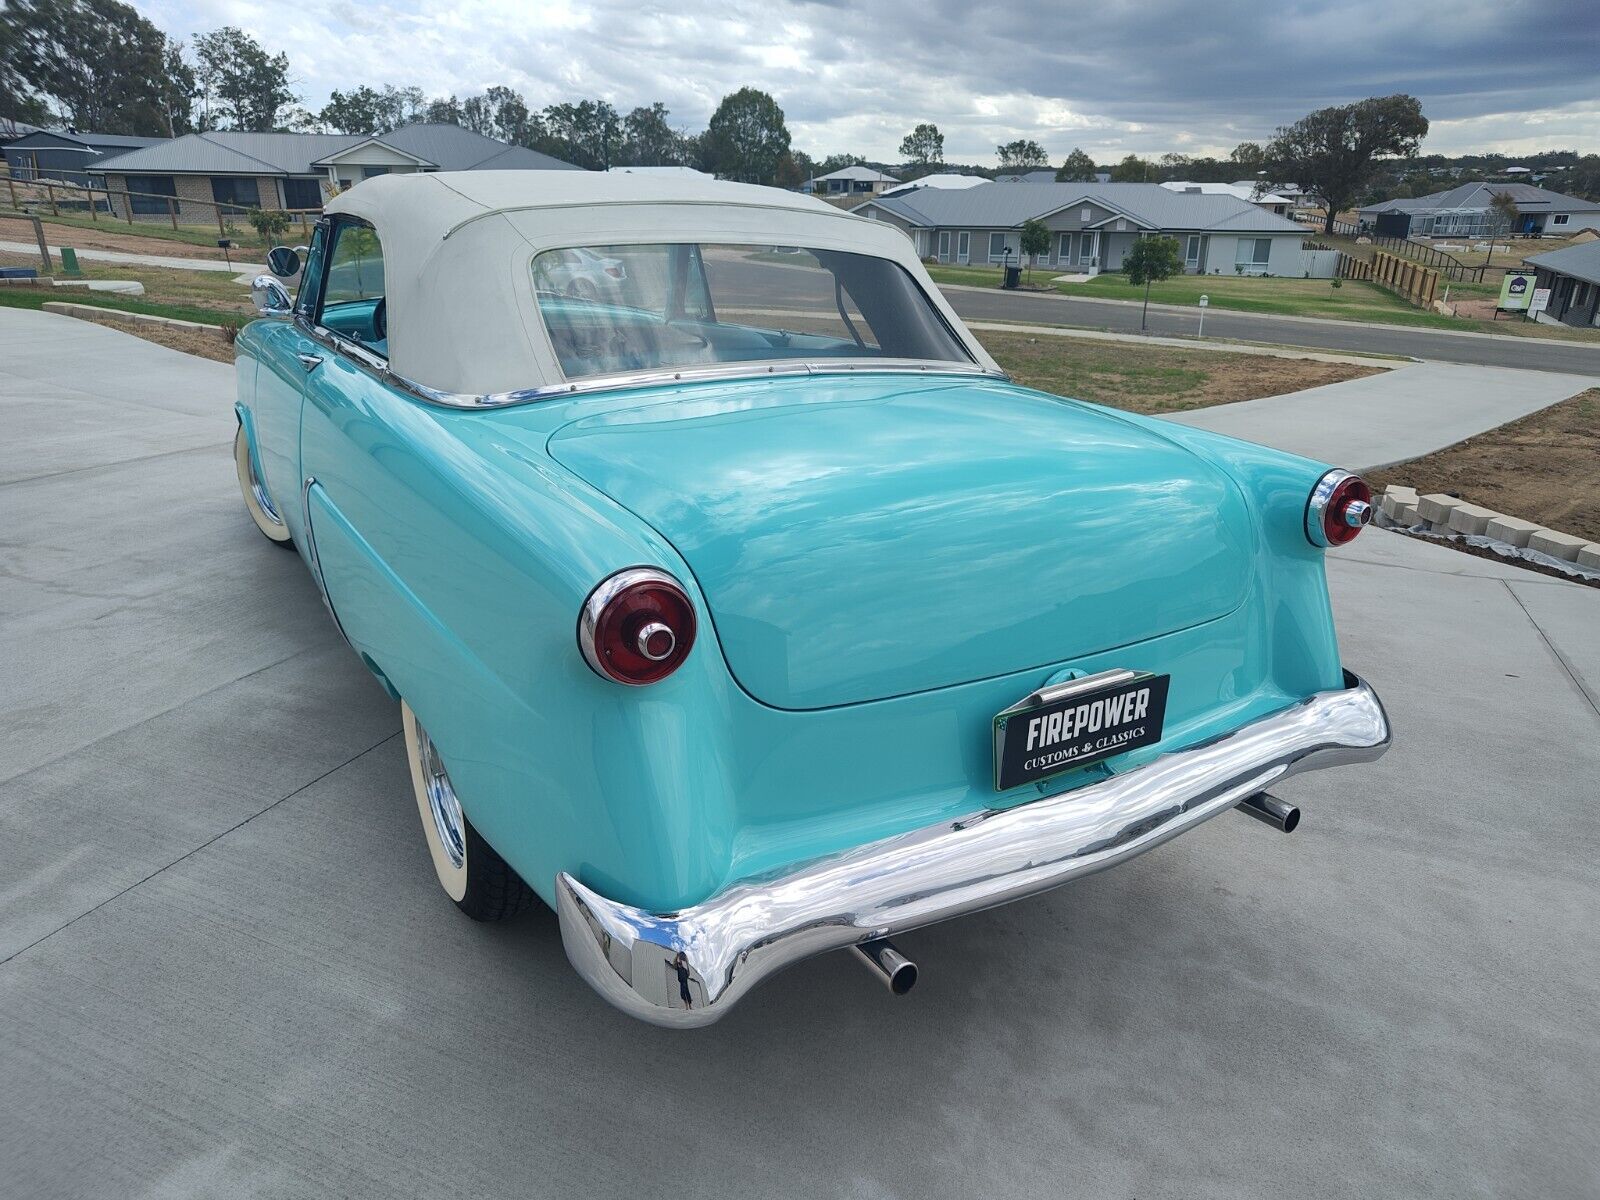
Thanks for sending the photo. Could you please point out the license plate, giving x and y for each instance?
(1072, 724)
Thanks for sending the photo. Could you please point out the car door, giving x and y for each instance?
(289, 354)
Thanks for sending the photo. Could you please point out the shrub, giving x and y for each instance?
(270, 223)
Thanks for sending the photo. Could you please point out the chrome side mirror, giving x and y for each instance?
(270, 297)
(283, 262)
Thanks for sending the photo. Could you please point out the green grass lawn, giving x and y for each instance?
(1353, 300)
(37, 297)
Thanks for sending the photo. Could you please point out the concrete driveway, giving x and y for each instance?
(225, 969)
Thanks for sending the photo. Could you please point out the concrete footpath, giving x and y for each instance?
(240, 265)
(226, 969)
(1393, 416)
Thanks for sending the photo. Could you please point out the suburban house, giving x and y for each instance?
(67, 156)
(850, 181)
(1573, 276)
(1093, 225)
(935, 181)
(1273, 202)
(295, 171)
(1045, 175)
(1468, 211)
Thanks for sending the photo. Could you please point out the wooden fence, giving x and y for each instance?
(30, 196)
(1410, 280)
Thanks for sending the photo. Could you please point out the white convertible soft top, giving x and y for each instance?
(457, 245)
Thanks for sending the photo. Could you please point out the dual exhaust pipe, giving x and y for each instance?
(899, 974)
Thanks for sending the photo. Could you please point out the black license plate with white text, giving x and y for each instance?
(1077, 723)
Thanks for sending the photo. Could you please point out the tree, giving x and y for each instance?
(1133, 169)
(588, 133)
(647, 139)
(1078, 168)
(1151, 260)
(1035, 241)
(1248, 157)
(1331, 152)
(924, 144)
(240, 82)
(360, 110)
(1506, 209)
(746, 137)
(106, 67)
(837, 162)
(1024, 154)
(789, 175)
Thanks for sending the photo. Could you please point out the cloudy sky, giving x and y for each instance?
(1196, 76)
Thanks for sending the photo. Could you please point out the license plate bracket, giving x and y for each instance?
(1065, 726)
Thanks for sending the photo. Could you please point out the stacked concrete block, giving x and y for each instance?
(1436, 509)
(1589, 556)
(1399, 504)
(1512, 531)
(1557, 545)
(1470, 518)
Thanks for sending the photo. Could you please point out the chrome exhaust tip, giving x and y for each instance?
(891, 968)
(1264, 806)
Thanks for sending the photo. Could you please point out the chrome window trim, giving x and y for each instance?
(378, 366)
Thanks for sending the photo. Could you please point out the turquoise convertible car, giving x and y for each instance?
(738, 606)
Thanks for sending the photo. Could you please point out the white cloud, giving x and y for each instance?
(1156, 76)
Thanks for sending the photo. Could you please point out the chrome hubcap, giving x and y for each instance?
(442, 803)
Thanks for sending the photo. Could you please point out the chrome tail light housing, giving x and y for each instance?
(1339, 507)
(637, 626)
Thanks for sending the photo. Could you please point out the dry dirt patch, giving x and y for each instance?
(1544, 468)
(15, 229)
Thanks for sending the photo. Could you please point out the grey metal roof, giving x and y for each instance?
(866, 174)
(1581, 261)
(1008, 205)
(1047, 175)
(1480, 196)
(94, 141)
(230, 152)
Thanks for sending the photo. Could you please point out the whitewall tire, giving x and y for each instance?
(256, 500)
(481, 883)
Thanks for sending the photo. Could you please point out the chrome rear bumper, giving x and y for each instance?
(645, 963)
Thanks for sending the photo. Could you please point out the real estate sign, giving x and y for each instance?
(1515, 290)
(1540, 301)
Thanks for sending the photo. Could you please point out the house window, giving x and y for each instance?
(147, 194)
(302, 193)
(1191, 253)
(944, 245)
(1086, 249)
(373, 172)
(1085, 214)
(1559, 219)
(1253, 252)
(239, 191)
(1064, 251)
(1581, 297)
(997, 246)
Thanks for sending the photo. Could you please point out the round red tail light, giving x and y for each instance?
(637, 627)
(1339, 508)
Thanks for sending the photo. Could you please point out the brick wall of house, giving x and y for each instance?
(195, 205)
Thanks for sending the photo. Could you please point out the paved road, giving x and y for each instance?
(1529, 354)
(225, 968)
(759, 284)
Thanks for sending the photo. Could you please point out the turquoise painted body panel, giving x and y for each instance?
(457, 547)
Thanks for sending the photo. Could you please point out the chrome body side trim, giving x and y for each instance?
(714, 952)
(377, 366)
(315, 560)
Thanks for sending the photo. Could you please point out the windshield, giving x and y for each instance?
(612, 309)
